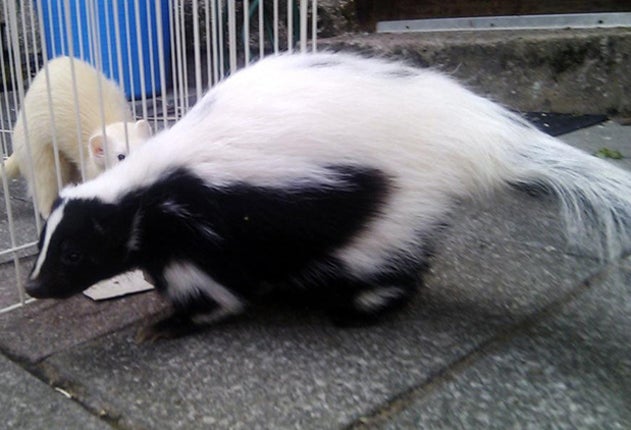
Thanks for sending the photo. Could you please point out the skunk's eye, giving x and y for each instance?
(121, 157)
(70, 256)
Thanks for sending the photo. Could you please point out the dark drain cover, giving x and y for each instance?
(556, 124)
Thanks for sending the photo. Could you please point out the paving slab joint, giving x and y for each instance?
(74, 392)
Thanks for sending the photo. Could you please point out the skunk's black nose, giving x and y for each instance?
(36, 289)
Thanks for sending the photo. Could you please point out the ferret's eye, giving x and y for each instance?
(121, 157)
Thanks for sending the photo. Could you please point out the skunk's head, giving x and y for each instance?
(82, 242)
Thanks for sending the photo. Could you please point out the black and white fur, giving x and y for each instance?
(314, 172)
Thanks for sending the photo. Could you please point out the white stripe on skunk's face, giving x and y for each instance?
(49, 229)
(81, 244)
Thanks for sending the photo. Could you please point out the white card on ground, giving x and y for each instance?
(121, 285)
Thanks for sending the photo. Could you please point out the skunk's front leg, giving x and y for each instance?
(197, 299)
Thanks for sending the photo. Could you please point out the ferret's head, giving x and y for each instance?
(83, 242)
(113, 147)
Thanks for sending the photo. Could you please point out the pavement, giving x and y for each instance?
(512, 330)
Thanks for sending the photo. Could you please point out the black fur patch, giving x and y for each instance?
(245, 235)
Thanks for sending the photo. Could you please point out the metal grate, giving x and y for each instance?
(517, 22)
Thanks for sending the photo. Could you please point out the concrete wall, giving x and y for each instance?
(569, 71)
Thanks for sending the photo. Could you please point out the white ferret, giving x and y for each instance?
(99, 150)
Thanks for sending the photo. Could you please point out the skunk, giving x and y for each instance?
(313, 172)
(88, 115)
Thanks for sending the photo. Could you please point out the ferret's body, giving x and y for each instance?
(315, 172)
(88, 115)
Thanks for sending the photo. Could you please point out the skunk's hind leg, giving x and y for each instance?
(379, 299)
(365, 302)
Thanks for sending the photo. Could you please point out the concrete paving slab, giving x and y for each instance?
(572, 370)
(44, 327)
(9, 275)
(609, 135)
(23, 217)
(28, 403)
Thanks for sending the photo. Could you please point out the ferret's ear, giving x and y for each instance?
(95, 144)
(143, 129)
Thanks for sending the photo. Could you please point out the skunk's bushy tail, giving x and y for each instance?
(594, 195)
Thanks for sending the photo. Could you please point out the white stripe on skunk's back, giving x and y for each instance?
(281, 120)
(287, 115)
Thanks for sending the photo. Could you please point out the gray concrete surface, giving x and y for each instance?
(28, 403)
(570, 370)
(512, 330)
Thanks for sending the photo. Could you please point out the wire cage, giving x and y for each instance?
(163, 55)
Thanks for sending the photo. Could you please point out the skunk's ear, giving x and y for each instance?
(97, 152)
(143, 129)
